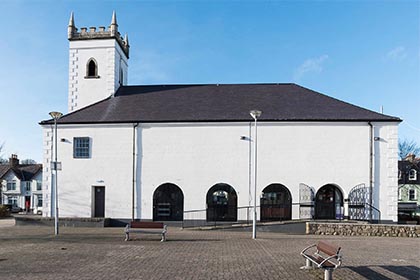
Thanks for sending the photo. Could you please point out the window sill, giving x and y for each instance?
(92, 77)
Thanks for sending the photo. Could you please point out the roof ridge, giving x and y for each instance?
(210, 84)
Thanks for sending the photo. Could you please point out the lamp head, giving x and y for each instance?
(255, 113)
(56, 115)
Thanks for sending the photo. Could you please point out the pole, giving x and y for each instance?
(55, 185)
(254, 218)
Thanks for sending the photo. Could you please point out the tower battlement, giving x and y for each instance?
(102, 33)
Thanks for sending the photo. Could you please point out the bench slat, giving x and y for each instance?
(137, 224)
(327, 248)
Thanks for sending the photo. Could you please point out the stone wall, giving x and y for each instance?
(362, 229)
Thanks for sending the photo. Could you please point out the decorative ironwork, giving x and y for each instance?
(359, 198)
(306, 201)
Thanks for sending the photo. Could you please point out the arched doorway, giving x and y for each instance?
(329, 203)
(168, 203)
(276, 203)
(222, 203)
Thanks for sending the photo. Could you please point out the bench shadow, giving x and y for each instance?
(177, 240)
(404, 271)
(408, 272)
(194, 240)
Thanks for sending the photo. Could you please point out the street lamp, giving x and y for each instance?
(55, 116)
(255, 114)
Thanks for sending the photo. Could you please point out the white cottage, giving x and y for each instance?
(21, 185)
(155, 152)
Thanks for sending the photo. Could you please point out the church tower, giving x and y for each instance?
(98, 63)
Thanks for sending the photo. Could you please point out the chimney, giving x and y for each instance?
(13, 160)
(410, 158)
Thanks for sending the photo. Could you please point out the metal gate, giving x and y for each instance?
(359, 198)
(306, 202)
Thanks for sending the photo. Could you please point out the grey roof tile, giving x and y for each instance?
(219, 103)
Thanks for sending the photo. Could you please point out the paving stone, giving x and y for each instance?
(28, 252)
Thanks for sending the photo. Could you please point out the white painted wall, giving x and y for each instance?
(110, 165)
(197, 156)
(386, 170)
(109, 57)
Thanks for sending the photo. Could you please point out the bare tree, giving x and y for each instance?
(28, 161)
(2, 160)
(406, 147)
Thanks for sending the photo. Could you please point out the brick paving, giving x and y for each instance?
(28, 252)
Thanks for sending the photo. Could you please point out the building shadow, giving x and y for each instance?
(409, 272)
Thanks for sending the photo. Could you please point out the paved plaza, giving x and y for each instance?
(29, 252)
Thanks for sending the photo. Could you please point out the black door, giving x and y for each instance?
(276, 203)
(328, 203)
(222, 203)
(168, 203)
(99, 202)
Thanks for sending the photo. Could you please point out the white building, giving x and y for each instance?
(153, 152)
(21, 185)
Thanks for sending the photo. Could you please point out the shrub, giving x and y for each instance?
(3, 211)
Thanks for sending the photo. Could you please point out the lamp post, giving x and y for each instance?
(55, 116)
(255, 114)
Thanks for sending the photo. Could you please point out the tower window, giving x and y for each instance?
(92, 69)
(121, 77)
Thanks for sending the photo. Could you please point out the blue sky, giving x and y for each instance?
(363, 52)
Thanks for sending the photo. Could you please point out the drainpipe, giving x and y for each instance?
(134, 172)
(370, 169)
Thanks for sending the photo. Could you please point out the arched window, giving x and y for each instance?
(92, 69)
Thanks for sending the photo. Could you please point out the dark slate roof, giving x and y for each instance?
(219, 103)
(25, 172)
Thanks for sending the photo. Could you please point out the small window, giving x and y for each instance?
(91, 69)
(412, 175)
(411, 194)
(27, 186)
(38, 185)
(11, 185)
(39, 204)
(12, 200)
(81, 147)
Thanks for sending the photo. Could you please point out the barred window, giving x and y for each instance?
(81, 147)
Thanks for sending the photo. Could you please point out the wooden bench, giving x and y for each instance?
(145, 227)
(325, 256)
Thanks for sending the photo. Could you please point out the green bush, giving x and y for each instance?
(3, 211)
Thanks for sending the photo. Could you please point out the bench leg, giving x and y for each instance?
(328, 274)
(308, 265)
